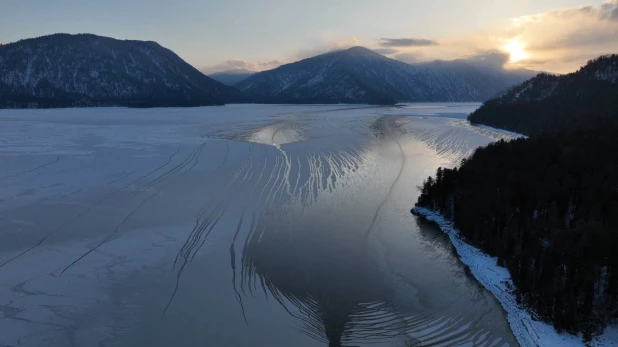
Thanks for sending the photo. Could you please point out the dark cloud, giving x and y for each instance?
(609, 10)
(385, 51)
(406, 42)
(586, 10)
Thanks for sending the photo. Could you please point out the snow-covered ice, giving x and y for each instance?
(236, 225)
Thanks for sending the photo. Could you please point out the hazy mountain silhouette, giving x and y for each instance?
(231, 77)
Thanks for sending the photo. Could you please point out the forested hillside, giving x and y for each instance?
(586, 99)
(547, 207)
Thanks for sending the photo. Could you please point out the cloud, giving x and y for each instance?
(532, 62)
(411, 57)
(489, 59)
(585, 37)
(234, 64)
(323, 46)
(406, 42)
(385, 51)
(328, 46)
(605, 11)
(609, 10)
(559, 40)
(566, 39)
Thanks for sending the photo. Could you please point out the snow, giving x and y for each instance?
(497, 280)
(510, 133)
(71, 177)
(608, 73)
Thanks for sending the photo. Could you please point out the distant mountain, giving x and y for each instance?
(64, 70)
(359, 75)
(583, 100)
(231, 77)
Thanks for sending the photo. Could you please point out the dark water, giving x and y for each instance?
(263, 226)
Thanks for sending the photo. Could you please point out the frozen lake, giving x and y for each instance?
(243, 225)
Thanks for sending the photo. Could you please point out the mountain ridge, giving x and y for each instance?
(66, 70)
(360, 75)
(583, 100)
(81, 70)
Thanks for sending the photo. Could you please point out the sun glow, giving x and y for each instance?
(516, 51)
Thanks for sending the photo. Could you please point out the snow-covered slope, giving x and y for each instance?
(64, 70)
(359, 75)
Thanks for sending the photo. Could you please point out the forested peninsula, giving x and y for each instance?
(546, 206)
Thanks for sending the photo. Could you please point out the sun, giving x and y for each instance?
(516, 51)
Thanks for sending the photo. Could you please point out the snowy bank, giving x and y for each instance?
(497, 280)
(485, 127)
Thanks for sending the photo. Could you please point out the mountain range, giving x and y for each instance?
(583, 100)
(63, 70)
(359, 75)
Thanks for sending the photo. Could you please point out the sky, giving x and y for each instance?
(214, 35)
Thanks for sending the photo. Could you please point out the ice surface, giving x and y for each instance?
(230, 226)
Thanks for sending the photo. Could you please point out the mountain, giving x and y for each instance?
(63, 70)
(359, 75)
(583, 100)
(231, 77)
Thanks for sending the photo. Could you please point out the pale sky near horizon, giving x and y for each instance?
(549, 35)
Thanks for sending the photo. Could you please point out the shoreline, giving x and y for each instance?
(503, 131)
(497, 280)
